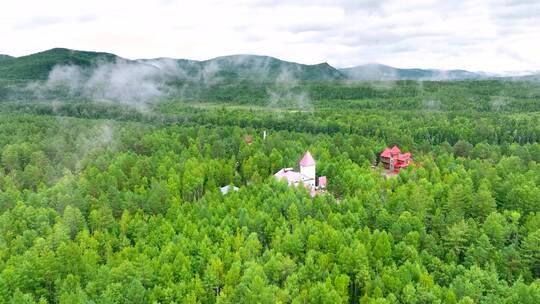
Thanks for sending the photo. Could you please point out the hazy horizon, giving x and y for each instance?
(493, 36)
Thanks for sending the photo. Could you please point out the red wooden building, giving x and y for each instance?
(394, 160)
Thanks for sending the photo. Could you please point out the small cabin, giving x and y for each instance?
(322, 182)
(248, 139)
(393, 160)
(226, 189)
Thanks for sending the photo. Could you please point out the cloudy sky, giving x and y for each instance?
(487, 35)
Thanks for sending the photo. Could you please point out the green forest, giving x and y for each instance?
(107, 202)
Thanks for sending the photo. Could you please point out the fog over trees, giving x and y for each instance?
(104, 201)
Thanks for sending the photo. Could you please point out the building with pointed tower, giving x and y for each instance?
(306, 177)
(308, 168)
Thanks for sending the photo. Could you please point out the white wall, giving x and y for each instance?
(308, 171)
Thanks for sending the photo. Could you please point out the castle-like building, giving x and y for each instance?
(306, 177)
(393, 160)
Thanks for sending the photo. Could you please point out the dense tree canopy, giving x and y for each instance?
(101, 203)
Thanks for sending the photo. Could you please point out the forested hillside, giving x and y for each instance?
(107, 202)
(4, 57)
(38, 66)
(226, 68)
(384, 72)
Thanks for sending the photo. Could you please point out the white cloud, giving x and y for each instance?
(490, 35)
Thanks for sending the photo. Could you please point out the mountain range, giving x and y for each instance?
(235, 67)
(4, 57)
(384, 72)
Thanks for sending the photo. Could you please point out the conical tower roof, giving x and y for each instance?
(307, 160)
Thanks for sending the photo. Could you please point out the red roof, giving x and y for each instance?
(395, 151)
(307, 160)
(386, 153)
(404, 157)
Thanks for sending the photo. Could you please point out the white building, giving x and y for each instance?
(307, 175)
(307, 169)
(226, 189)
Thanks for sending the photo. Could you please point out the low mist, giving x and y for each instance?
(122, 81)
(140, 82)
